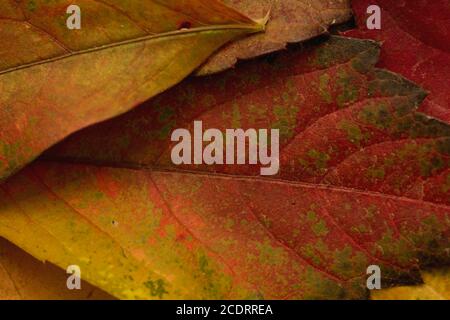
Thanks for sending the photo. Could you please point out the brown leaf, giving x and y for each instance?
(290, 21)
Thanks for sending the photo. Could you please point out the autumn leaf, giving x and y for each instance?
(23, 277)
(290, 21)
(436, 286)
(54, 81)
(153, 234)
(416, 42)
(140, 228)
(342, 122)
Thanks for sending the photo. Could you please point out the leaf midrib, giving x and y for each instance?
(226, 176)
(252, 29)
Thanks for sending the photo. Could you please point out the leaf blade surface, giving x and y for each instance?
(62, 92)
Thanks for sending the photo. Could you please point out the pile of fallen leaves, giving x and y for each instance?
(87, 179)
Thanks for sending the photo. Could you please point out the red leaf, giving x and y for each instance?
(206, 236)
(416, 44)
(341, 121)
(222, 232)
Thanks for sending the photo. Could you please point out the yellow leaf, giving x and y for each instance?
(24, 277)
(436, 286)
